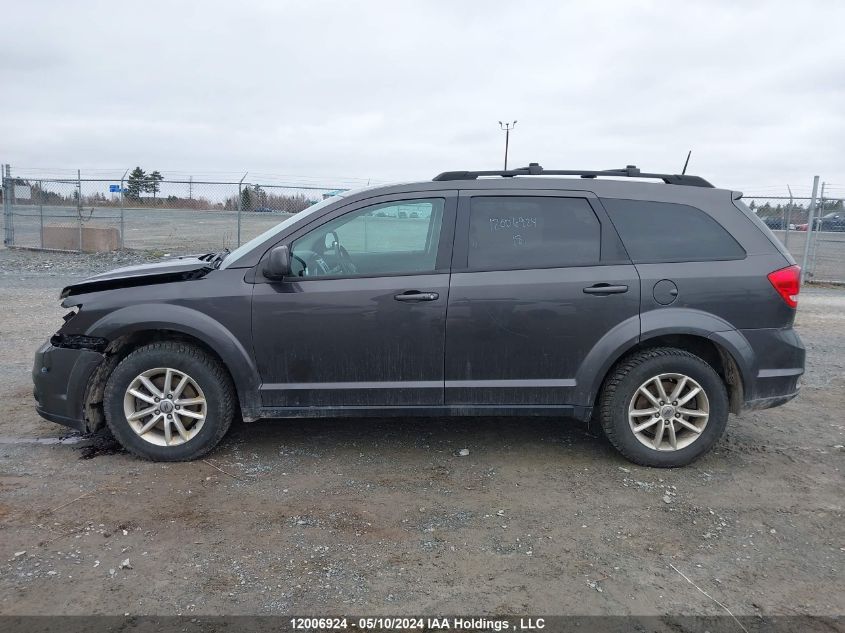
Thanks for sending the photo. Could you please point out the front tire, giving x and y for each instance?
(169, 401)
(663, 407)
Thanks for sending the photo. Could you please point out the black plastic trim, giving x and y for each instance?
(534, 169)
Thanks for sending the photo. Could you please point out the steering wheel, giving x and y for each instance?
(344, 260)
(312, 263)
(315, 264)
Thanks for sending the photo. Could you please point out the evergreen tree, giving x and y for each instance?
(259, 196)
(136, 183)
(152, 183)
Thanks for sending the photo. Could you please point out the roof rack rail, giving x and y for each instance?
(534, 169)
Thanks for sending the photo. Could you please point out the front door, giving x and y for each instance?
(537, 279)
(361, 321)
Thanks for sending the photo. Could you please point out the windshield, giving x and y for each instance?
(243, 249)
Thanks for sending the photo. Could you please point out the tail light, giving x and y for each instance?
(787, 282)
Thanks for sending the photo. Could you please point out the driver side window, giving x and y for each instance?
(382, 239)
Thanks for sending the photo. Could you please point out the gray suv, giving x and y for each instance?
(650, 308)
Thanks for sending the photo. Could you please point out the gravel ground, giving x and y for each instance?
(385, 517)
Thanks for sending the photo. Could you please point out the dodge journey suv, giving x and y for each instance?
(652, 309)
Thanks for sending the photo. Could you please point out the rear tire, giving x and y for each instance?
(169, 402)
(646, 424)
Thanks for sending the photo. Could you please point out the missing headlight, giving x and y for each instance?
(70, 315)
(79, 341)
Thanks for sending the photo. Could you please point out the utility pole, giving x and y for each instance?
(507, 127)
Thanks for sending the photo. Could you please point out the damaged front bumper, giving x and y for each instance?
(61, 376)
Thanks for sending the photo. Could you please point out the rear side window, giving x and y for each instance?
(667, 232)
(508, 232)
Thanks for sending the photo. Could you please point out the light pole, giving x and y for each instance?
(507, 127)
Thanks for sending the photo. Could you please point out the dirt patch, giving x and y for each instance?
(99, 444)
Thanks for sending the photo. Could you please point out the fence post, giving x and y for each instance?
(122, 222)
(815, 250)
(8, 187)
(5, 206)
(240, 207)
(788, 217)
(79, 206)
(810, 213)
(41, 222)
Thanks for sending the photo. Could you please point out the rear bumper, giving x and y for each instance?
(768, 403)
(60, 377)
(779, 363)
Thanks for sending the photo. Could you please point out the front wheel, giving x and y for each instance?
(663, 407)
(169, 401)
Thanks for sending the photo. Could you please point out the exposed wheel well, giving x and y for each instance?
(115, 352)
(712, 353)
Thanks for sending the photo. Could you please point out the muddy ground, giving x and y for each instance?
(384, 517)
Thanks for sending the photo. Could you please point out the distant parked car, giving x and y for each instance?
(834, 221)
(774, 223)
(264, 210)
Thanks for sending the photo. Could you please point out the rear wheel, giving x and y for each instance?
(169, 401)
(663, 407)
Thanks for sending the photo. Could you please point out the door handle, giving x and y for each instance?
(605, 289)
(416, 295)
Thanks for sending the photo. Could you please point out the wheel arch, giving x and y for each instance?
(131, 327)
(726, 351)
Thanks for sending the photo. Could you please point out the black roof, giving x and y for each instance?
(534, 169)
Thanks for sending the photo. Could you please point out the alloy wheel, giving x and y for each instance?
(165, 406)
(668, 412)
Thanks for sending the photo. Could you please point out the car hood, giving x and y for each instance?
(180, 269)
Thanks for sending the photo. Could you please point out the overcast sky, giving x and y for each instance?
(393, 90)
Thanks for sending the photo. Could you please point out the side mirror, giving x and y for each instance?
(278, 263)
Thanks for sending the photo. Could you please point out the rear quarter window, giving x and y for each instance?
(654, 232)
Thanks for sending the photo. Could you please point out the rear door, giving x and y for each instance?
(537, 279)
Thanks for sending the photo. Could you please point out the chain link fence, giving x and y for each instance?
(169, 216)
(188, 215)
(818, 245)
